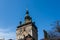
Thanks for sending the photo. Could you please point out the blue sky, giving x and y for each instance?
(43, 12)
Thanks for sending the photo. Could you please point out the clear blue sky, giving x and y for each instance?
(43, 12)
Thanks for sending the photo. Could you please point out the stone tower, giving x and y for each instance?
(27, 28)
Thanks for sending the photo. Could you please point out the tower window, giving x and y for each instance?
(20, 30)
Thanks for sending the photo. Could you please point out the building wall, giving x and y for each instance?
(35, 33)
(29, 29)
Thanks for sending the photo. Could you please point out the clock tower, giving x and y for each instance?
(27, 28)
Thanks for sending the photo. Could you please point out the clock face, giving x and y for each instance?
(28, 29)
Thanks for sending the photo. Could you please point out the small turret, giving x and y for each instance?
(20, 22)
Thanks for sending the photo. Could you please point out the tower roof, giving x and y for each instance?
(27, 17)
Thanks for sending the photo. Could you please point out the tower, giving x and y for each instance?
(27, 29)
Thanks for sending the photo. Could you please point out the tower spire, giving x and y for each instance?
(27, 17)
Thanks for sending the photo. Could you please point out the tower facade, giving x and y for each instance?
(27, 29)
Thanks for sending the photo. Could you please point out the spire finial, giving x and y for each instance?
(26, 8)
(27, 12)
